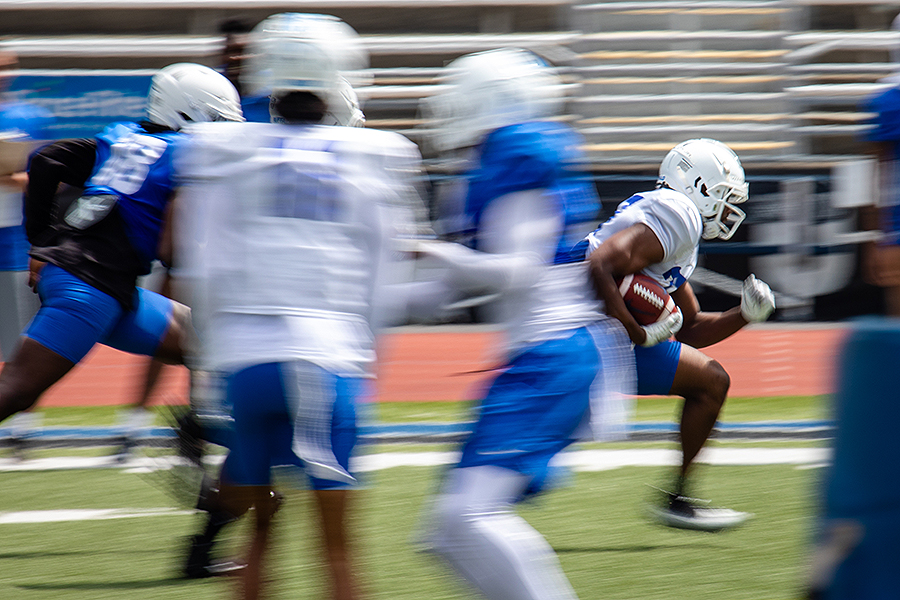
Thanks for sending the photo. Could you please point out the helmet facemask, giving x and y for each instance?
(724, 217)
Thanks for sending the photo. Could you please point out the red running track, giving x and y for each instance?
(450, 363)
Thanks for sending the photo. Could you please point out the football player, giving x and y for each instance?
(210, 421)
(701, 183)
(21, 125)
(525, 196)
(285, 231)
(84, 266)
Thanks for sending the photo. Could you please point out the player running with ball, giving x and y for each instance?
(657, 233)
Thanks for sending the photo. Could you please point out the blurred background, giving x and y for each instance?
(780, 81)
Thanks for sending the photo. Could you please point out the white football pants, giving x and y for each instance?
(476, 531)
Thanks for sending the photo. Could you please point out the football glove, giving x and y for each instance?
(663, 330)
(757, 300)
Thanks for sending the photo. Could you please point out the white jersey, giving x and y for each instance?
(283, 235)
(546, 300)
(675, 220)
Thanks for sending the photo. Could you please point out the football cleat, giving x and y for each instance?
(201, 565)
(681, 512)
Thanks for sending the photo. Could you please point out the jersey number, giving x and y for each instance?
(129, 163)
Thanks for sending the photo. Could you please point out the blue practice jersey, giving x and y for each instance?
(22, 121)
(135, 167)
(540, 155)
(256, 109)
(886, 107)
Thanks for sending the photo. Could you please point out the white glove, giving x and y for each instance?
(757, 300)
(663, 330)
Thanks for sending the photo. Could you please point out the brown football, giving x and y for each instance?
(646, 300)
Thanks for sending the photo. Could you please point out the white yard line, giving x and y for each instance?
(579, 460)
(102, 514)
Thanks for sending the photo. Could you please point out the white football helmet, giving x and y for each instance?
(295, 52)
(488, 90)
(186, 93)
(710, 174)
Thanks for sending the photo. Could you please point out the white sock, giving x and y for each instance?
(23, 422)
(135, 419)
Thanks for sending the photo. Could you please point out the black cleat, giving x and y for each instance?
(201, 565)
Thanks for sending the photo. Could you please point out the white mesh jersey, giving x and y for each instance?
(534, 299)
(283, 234)
(675, 220)
(545, 300)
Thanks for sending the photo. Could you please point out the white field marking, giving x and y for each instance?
(578, 460)
(604, 460)
(65, 463)
(102, 514)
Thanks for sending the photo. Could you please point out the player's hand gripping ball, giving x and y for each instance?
(645, 299)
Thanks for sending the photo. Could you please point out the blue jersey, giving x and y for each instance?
(256, 109)
(886, 107)
(27, 122)
(135, 168)
(540, 155)
(109, 236)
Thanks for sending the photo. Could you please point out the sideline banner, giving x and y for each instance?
(83, 102)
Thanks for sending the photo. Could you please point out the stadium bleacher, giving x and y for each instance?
(778, 80)
(753, 70)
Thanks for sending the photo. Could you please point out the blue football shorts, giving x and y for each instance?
(75, 315)
(656, 367)
(264, 408)
(532, 409)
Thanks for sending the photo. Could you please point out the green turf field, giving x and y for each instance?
(784, 408)
(594, 522)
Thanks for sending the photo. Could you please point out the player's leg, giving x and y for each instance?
(239, 499)
(18, 304)
(481, 537)
(208, 421)
(675, 369)
(156, 326)
(220, 508)
(703, 383)
(333, 505)
(262, 431)
(22, 381)
(72, 318)
(672, 368)
(136, 413)
(334, 496)
(529, 414)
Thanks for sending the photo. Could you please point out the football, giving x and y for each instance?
(646, 300)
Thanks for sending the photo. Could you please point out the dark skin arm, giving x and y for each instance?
(165, 250)
(631, 251)
(66, 161)
(701, 329)
(628, 251)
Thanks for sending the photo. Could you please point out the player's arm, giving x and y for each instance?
(701, 329)
(515, 243)
(165, 249)
(67, 161)
(628, 251)
(16, 180)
